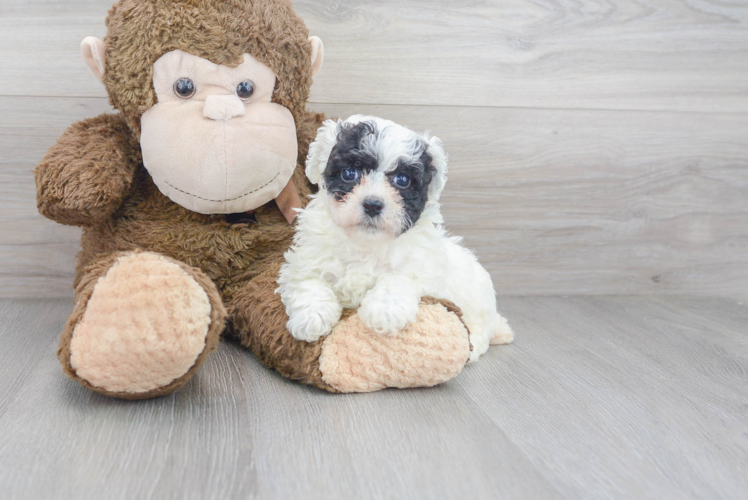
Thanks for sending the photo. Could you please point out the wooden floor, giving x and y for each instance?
(608, 397)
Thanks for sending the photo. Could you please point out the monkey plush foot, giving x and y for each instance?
(430, 351)
(142, 325)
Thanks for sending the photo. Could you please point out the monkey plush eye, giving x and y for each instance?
(402, 181)
(184, 88)
(245, 89)
(349, 174)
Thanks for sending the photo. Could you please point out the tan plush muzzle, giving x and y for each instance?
(212, 151)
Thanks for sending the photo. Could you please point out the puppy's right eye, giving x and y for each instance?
(349, 174)
(184, 88)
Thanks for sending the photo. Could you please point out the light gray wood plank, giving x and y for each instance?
(28, 329)
(238, 430)
(37, 256)
(600, 397)
(594, 202)
(651, 55)
(40, 44)
(553, 201)
(395, 444)
(647, 55)
(722, 313)
(625, 397)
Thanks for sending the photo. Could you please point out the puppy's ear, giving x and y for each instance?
(439, 162)
(320, 149)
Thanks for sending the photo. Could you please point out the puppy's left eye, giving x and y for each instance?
(245, 89)
(349, 174)
(402, 181)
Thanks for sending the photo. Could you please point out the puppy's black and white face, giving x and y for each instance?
(379, 177)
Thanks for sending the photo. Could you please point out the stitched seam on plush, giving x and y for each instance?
(232, 199)
(226, 166)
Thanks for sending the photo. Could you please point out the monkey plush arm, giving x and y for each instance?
(86, 174)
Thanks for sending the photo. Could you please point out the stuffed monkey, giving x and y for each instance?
(186, 197)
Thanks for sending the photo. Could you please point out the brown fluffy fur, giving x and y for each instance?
(86, 175)
(255, 310)
(139, 32)
(93, 176)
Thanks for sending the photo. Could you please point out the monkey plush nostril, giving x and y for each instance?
(373, 206)
(223, 107)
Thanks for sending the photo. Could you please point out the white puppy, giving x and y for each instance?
(372, 238)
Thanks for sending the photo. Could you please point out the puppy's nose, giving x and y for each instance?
(373, 206)
(223, 107)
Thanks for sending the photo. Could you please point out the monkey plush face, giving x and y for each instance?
(214, 93)
(214, 142)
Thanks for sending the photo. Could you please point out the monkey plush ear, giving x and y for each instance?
(93, 53)
(318, 54)
(319, 151)
(439, 162)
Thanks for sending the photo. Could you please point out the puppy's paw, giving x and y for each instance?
(312, 311)
(387, 314)
(503, 333)
(314, 321)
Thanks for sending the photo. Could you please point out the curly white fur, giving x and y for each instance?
(328, 269)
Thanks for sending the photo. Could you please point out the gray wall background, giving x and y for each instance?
(595, 147)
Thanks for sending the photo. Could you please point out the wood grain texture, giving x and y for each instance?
(553, 201)
(240, 431)
(641, 55)
(37, 256)
(626, 397)
(608, 397)
(648, 55)
(25, 338)
(595, 202)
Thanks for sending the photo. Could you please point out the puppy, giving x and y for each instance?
(372, 238)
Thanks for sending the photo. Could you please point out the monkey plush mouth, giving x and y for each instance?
(228, 199)
(218, 166)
